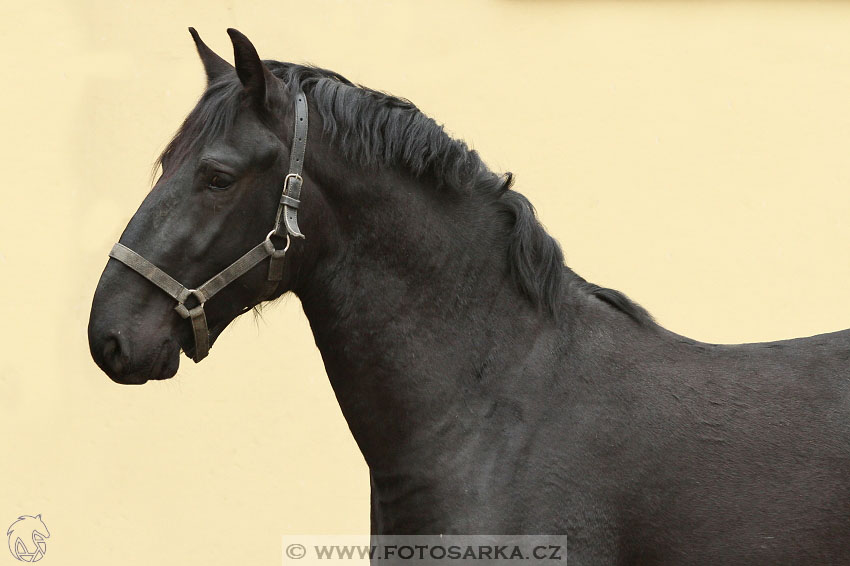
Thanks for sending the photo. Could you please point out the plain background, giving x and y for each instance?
(693, 155)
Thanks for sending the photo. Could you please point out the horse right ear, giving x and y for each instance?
(255, 76)
(214, 65)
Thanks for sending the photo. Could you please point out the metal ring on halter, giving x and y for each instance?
(273, 251)
(198, 295)
(181, 308)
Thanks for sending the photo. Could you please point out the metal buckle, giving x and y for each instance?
(291, 176)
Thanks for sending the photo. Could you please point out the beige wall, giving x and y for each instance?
(693, 155)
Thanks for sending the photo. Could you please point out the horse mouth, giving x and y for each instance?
(166, 363)
(164, 366)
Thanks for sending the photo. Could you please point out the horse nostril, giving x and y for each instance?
(115, 354)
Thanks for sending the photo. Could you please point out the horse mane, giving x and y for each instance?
(376, 129)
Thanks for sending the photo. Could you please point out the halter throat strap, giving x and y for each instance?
(285, 225)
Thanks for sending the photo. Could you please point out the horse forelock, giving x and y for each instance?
(212, 117)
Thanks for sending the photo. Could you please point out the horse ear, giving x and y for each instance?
(254, 75)
(214, 65)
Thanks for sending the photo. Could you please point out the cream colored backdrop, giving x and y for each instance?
(693, 155)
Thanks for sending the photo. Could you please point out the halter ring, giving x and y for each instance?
(183, 310)
(273, 251)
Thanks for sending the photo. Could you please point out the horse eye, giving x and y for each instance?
(220, 181)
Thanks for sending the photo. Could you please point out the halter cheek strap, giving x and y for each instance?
(286, 222)
(292, 185)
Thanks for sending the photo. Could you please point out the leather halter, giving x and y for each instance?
(287, 218)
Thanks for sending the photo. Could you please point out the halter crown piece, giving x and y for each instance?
(286, 219)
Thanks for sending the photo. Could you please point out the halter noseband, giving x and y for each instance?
(287, 218)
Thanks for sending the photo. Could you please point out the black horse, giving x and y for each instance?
(490, 388)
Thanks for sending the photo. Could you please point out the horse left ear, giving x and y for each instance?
(254, 75)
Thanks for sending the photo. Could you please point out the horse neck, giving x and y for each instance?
(417, 319)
